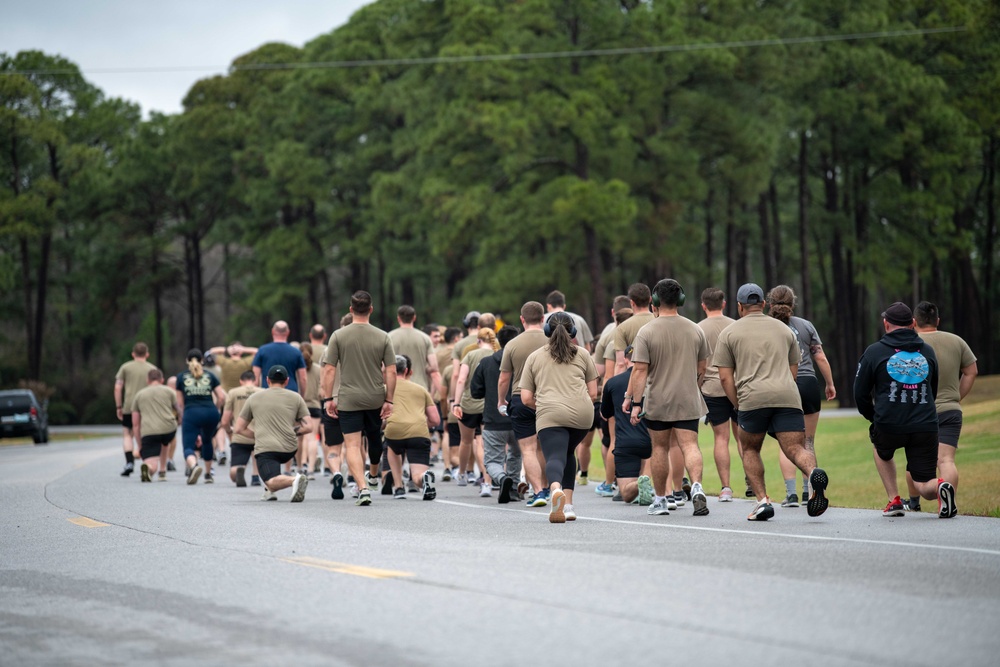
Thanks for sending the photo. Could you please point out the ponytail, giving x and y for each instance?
(195, 367)
(561, 346)
(307, 354)
(489, 336)
(781, 300)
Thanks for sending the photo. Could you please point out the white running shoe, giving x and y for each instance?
(658, 508)
(299, 488)
(569, 513)
(699, 500)
(484, 490)
(268, 495)
(671, 502)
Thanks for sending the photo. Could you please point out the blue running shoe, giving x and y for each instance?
(604, 490)
(541, 499)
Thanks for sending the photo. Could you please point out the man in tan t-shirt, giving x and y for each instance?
(605, 371)
(639, 297)
(154, 422)
(522, 418)
(957, 371)
(241, 446)
(452, 441)
(233, 360)
(279, 417)
(669, 355)
(130, 379)
(752, 356)
(418, 346)
(367, 371)
(721, 413)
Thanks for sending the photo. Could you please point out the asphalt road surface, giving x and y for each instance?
(99, 569)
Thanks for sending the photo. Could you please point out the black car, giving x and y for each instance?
(21, 414)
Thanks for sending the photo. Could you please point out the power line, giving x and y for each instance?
(512, 57)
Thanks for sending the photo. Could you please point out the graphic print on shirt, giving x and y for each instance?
(908, 369)
(197, 387)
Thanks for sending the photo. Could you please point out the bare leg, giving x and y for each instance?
(279, 482)
(660, 460)
(887, 473)
(752, 463)
(465, 450)
(793, 444)
(396, 466)
(355, 459)
(480, 460)
(533, 468)
(721, 452)
(583, 451)
(691, 457)
(946, 464)
(629, 489)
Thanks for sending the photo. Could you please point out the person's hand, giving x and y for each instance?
(386, 410)
(119, 413)
(831, 392)
(635, 418)
(331, 408)
(627, 405)
(457, 411)
(502, 408)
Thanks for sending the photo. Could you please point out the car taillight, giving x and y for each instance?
(34, 412)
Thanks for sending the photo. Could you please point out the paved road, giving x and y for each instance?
(172, 574)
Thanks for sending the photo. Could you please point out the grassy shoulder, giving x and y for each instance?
(844, 451)
(53, 437)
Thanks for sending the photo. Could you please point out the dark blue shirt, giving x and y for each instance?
(197, 391)
(279, 354)
(611, 406)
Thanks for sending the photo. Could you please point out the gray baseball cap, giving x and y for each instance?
(750, 294)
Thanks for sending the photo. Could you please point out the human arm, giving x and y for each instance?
(256, 375)
(620, 363)
(433, 416)
(220, 396)
(326, 389)
(503, 387)
(119, 391)
(823, 364)
(633, 395)
(137, 425)
(528, 398)
(463, 377)
(592, 390)
(727, 376)
(864, 382)
(180, 406)
(455, 395)
(966, 379)
(227, 422)
(243, 428)
(390, 391)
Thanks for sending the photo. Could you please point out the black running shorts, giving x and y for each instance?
(315, 413)
(151, 444)
(522, 418)
(949, 427)
(812, 397)
(454, 435)
(921, 451)
(269, 463)
(127, 421)
(720, 410)
(240, 453)
(655, 425)
(332, 435)
(629, 457)
(772, 420)
(417, 450)
(472, 420)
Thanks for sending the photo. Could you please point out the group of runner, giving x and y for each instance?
(513, 410)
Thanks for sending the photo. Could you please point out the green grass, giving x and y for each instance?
(844, 451)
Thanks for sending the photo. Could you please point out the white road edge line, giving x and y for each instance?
(822, 538)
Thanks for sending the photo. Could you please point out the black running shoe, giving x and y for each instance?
(686, 487)
(506, 486)
(338, 486)
(241, 476)
(817, 502)
(946, 500)
(128, 469)
(762, 511)
(387, 484)
(171, 467)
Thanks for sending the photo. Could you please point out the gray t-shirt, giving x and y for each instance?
(808, 339)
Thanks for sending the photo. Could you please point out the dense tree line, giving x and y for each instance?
(859, 171)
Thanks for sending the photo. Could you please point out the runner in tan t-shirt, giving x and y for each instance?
(452, 434)
(669, 354)
(639, 298)
(758, 357)
(470, 412)
(154, 422)
(721, 413)
(560, 382)
(418, 346)
(241, 446)
(233, 360)
(279, 416)
(130, 379)
(407, 431)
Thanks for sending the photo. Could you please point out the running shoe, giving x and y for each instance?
(310, 475)
(699, 500)
(209, 478)
(364, 498)
(255, 480)
(541, 499)
(387, 484)
(171, 467)
(352, 487)
(679, 498)
(506, 488)
(581, 480)
(645, 490)
(461, 479)
(726, 495)
(194, 474)
(372, 482)
(522, 490)
(411, 487)
(604, 490)
(557, 513)
(911, 506)
(671, 502)
(570, 513)
(446, 475)
(471, 478)
(222, 459)
(485, 491)
(299, 488)
(144, 473)
(399, 493)
(791, 500)
(241, 476)
(268, 495)
(161, 476)
(894, 508)
(762, 511)
(327, 472)
(429, 492)
(946, 500)
(818, 502)
(128, 469)
(338, 486)
(686, 487)
(658, 508)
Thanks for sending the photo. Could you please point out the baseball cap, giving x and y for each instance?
(277, 373)
(750, 294)
(898, 313)
(469, 316)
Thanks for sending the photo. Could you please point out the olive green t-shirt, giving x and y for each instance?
(446, 377)
(459, 350)
(235, 400)
(473, 406)
(157, 404)
(605, 341)
(626, 331)
(516, 353)
(313, 377)
(760, 349)
(713, 326)
(409, 412)
(443, 354)
(560, 390)
(672, 346)
(953, 354)
(360, 350)
(417, 345)
(135, 375)
(231, 369)
(274, 412)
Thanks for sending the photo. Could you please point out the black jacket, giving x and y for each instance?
(897, 382)
(484, 385)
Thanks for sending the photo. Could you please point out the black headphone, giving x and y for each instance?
(665, 284)
(563, 319)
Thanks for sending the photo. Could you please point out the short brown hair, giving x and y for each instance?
(406, 314)
(140, 349)
(155, 375)
(621, 301)
(532, 312)
(713, 298)
(623, 315)
(346, 319)
(556, 299)
(926, 314)
(639, 294)
(488, 321)
(361, 302)
(318, 332)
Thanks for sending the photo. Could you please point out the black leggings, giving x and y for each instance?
(559, 447)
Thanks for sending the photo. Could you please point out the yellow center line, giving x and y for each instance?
(87, 523)
(345, 568)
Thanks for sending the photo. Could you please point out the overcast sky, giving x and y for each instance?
(179, 33)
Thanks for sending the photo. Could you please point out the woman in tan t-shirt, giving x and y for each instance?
(407, 431)
(308, 443)
(560, 383)
(470, 411)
